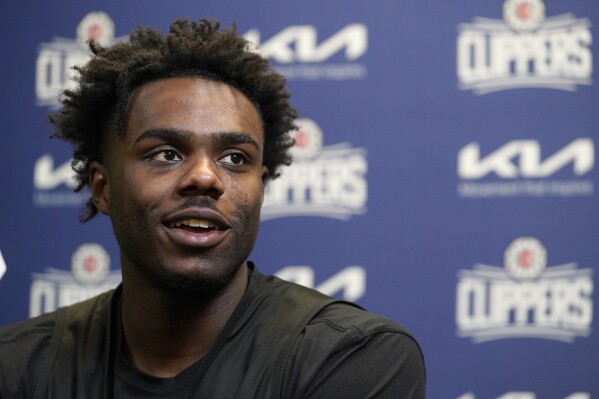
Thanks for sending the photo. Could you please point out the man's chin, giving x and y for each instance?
(205, 285)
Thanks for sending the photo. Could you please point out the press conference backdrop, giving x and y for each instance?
(444, 177)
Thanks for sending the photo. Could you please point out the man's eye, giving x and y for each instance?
(166, 156)
(234, 159)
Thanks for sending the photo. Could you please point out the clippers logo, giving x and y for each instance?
(53, 185)
(55, 60)
(525, 298)
(321, 181)
(297, 55)
(89, 277)
(520, 162)
(525, 50)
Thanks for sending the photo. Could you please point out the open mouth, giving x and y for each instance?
(196, 225)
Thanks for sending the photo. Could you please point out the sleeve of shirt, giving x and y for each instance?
(22, 350)
(374, 359)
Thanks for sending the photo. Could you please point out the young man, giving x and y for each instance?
(176, 138)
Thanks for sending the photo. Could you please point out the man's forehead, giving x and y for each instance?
(191, 104)
(202, 88)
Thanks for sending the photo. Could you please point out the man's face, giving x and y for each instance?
(186, 183)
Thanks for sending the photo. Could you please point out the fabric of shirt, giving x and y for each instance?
(130, 383)
(282, 341)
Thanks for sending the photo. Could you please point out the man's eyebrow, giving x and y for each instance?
(179, 136)
(185, 136)
(232, 138)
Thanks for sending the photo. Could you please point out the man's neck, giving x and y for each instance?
(165, 333)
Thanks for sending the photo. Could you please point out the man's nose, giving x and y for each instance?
(202, 176)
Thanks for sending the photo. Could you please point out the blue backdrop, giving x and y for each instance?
(445, 173)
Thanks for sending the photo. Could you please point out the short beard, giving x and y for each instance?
(199, 288)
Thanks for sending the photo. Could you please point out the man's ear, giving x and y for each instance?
(265, 176)
(99, 187)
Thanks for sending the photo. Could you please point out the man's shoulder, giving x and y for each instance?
(337, 314)
(333, 314)
(25, 345)
(337, 324)
(342, 324)
(345, 351)
(39, 326)
(28, 340)
(45, 324)
(344, 315)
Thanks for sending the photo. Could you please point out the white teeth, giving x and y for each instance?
(202, 223)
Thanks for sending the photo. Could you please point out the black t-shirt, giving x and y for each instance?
(130, 383)
(283, 341)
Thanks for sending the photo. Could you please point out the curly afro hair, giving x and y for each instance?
(98, 105)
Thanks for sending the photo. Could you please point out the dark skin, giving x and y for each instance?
(183, 189)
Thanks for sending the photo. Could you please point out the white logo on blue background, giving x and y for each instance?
(524, 50)
(525, 298)
(90, 275)
(323, 181)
